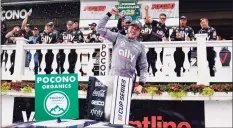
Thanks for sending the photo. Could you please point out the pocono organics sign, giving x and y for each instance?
(56, 96)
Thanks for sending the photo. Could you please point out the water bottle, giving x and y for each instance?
(30, 11)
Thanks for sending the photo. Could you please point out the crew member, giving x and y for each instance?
(76, 28)
(181, 33)
(159, 30)
(94, 36)
(212, 35)
(69, 36)
(46, 37)
(146, 30)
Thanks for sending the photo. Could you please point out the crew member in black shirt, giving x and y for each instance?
(46, 37)
(54, 31)
(69, 36)
(10, 39)
(212, 35)
(159, 33)
(181, 33)
(93, 37)
(76, 28)
(146, 30)
(26, 31)
(23, 31)
(25, 28)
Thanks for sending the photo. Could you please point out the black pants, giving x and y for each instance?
(179, 60)
(72, 58)
(151, 64)
(37, 67)
(61, 56)
(4, 53)
(211, 54)
(49, 57)
(12, 61)
(152, 59)
(179, 57)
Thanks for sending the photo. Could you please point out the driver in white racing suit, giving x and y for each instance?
(127, 50)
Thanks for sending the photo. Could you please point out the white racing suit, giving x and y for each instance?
(127, 53)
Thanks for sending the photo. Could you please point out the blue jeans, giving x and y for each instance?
(29, 58)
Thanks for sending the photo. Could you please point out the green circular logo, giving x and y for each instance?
(56, 103)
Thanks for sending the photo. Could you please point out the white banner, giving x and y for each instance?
(94, 9)
(104, 60)
(121, 100)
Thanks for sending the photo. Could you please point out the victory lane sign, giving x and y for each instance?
(56, 95)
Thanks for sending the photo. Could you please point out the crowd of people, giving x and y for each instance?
(152, 30)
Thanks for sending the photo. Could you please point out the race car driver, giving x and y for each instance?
(127, 50)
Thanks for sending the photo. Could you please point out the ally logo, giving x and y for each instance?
(56, 103)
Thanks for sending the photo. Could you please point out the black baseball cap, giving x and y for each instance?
(28, 25)
(92, 24)
(184, 17)
(137, 23)
(69, 22)
(50, 24)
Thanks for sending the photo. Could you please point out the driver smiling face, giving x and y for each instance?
(133, 31)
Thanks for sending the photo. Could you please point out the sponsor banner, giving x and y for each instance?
(104, 57)
(131, 9)
(143, 113)
(122, 92)
(93, 9)
(167, 114)
(56, 96)
(51, 11)
(168, 7)
(13, 14)
(96, 96)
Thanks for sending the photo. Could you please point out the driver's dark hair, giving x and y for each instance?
(163, 14)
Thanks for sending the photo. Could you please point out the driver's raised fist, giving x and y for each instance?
(114, 11)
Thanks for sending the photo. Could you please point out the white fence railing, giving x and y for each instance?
(84, 59)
